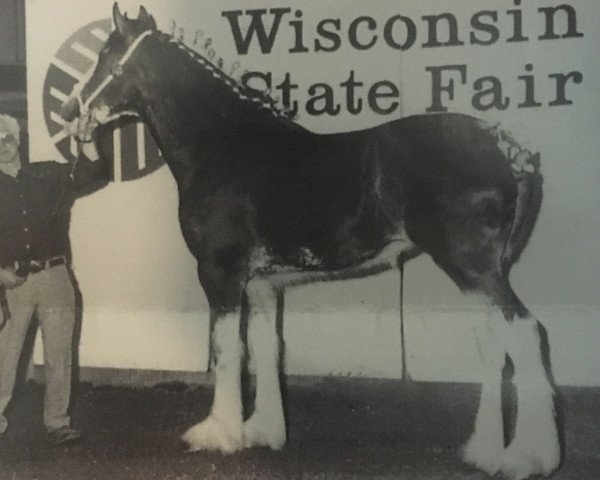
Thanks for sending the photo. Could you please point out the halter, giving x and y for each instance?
(116, 71)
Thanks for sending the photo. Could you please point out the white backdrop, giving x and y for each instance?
(143, 307)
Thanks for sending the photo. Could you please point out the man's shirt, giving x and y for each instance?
(35, 208)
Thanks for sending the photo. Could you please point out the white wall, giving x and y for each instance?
(144, 308)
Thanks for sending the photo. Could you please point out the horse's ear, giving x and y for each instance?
(146, 19)
(535, 160)
(119, 19)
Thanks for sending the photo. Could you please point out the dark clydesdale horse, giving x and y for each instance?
(265, 204)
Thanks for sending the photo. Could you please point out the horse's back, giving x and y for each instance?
(436, 149)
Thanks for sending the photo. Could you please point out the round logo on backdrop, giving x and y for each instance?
(127, 143)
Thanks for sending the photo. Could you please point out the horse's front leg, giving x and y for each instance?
(222, 429)
(266, 426)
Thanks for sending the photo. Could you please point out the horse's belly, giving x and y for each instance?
(308, 269)
(332, 253)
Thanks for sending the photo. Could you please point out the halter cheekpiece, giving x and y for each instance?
(116, 72)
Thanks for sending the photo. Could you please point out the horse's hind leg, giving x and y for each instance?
(266, 426)
(485, 448)
(535, 448)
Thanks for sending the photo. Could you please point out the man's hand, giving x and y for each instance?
(10, 279)
(82, 128)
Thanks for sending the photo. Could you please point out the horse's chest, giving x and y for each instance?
(221, 220)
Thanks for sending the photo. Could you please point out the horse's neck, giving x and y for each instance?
(179, 112)
(190, 111)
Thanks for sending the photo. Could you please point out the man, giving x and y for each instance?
(35, 279)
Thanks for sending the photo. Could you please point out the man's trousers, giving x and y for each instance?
(50, 296)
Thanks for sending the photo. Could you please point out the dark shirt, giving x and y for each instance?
(35, 208)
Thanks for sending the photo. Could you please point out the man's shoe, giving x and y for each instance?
(64, 435)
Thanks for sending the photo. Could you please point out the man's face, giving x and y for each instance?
(8, 144)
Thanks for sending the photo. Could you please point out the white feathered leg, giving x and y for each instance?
(535, 448)
(222, 429)
(266, 426)
(485, 448)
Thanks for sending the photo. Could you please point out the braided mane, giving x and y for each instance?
(244, 92)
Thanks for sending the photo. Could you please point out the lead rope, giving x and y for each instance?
(70, 180)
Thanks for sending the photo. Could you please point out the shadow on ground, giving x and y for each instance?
(338, 429)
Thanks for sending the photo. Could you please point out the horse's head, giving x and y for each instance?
(111, 91)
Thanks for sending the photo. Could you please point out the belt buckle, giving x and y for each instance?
(36, 267)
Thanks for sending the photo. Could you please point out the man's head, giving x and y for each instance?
(9, 139)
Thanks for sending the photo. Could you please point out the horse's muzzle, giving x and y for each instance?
(69, 110)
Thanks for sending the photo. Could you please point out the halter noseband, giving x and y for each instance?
(116, 71)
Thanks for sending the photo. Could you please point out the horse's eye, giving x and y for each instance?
(117, 70)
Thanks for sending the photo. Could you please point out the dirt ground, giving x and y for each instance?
(338, 429)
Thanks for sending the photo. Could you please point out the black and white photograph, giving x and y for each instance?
(288, 239)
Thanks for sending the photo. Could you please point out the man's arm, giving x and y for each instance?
(90, 173)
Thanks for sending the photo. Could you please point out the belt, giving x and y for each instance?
(35, 266)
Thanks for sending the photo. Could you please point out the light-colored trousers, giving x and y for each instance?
(49, 295)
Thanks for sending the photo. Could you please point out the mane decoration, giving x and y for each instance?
(261, 99)
(522, 160)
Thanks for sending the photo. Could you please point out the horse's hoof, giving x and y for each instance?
(522, 461)
(262, 430)
(214, 434)
(484, 453)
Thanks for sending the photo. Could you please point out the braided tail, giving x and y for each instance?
(529, 199)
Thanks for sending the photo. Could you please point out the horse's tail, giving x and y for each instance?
(525, 168)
